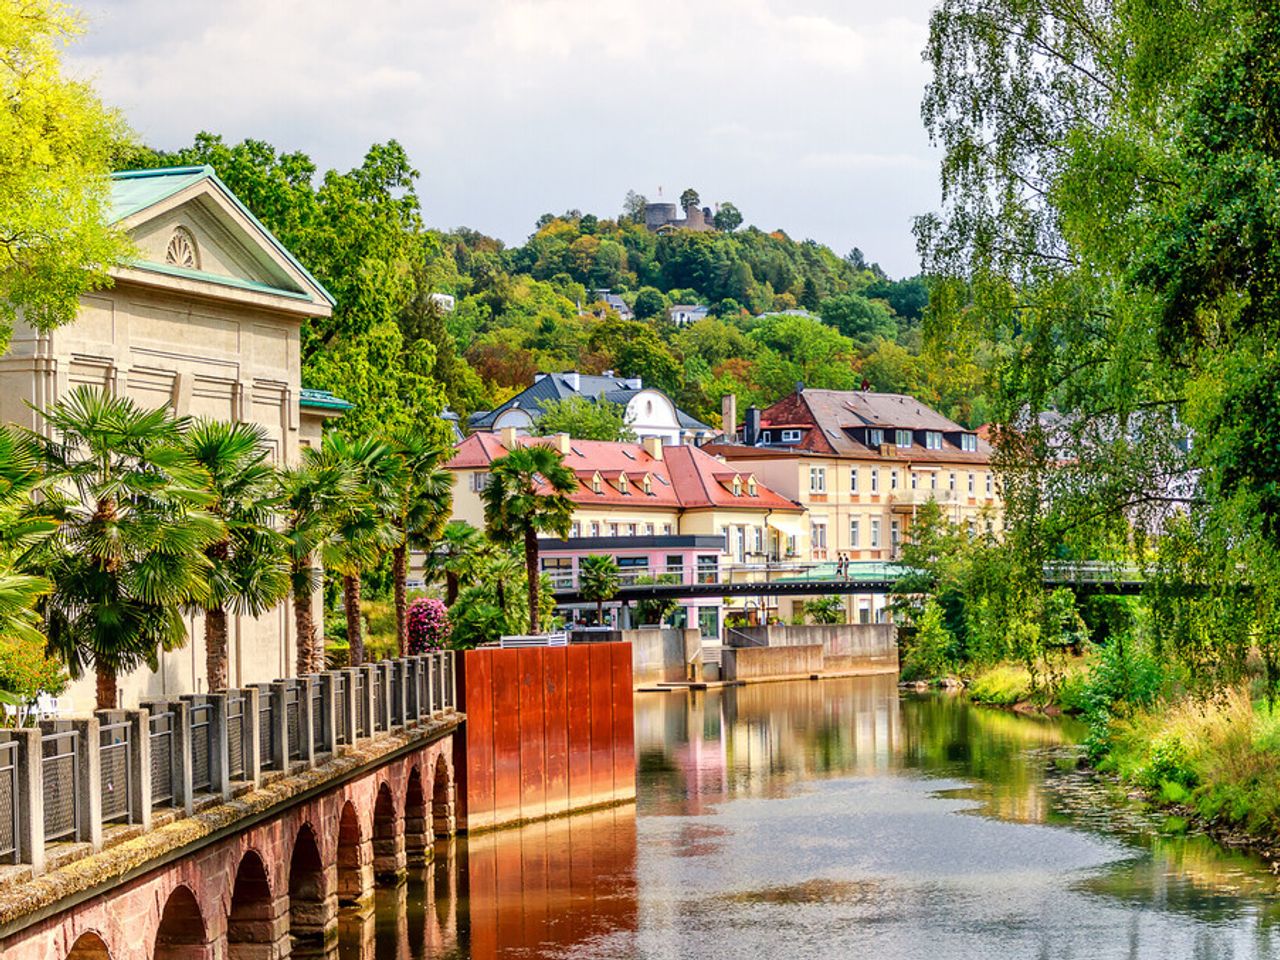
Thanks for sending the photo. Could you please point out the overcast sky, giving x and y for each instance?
(804, 113)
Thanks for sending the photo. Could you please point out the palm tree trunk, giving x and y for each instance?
(531, 571)
(108, 698)
(400, 572)
(351, 601)
(304, 625)
(450, 588)
(215, 648)
(599, 613)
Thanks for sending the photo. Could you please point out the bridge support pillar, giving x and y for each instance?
(355, 878)
(314, 922)
(444, 821)
(260, 930)
(389, 863)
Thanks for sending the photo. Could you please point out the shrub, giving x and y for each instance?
(826, 610)
(929, 655)
(428, 626)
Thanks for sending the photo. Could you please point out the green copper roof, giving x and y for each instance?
(135, 190)
(322, 400)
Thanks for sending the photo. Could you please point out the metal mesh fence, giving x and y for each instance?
(397, 692)
(291, 718)
(201, 729)
(161, 758)
(317, 717)
(235, 736)
(341, 721)
(266, 729)
(362, 706)
(58, 756)
(379, 700)
(115, 751)
(9, 802)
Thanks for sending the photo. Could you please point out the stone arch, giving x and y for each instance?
(417, 833)
(313, 908)
(388, 838)
(89, 946)
(443, 823)
(181, 934)
(257, 922)
(355, 866)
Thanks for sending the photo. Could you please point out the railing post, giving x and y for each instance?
(411, 711)
(30, 798)
(328, 723)
(306, 721)
(250, 735)
(351, 705)
(382, 671)
(280, 722)
(451, 678)
(183, 791)
(219, 742)
(88, 781)
(429, 684)
(370, 678)
(399, 678)
(139, 766)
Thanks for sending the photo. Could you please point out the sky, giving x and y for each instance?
(803, 113)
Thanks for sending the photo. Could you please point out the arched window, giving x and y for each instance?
(182, 251)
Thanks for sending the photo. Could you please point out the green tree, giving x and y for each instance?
(633, 207)
(826, 610)
(861, 320)
(650, 303)
(728, 218)
(689, 198)
(598, 581)
(130, 555)
(585, 419)
(248, 564)
(528, 495)
(457, 556)
(56, 145)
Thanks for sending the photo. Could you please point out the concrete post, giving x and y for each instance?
(140, 766)
(431, 688)
(412, 713)
(327, 724)
(448, 658)
(183, 791)
(306, 721)
(280, 724)
(370, 678)
(382, 671)
(351, 705)
(219, 746)
(251, 734)
(88, 785)
(30, 798)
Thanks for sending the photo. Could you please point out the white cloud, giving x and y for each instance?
(803, 112)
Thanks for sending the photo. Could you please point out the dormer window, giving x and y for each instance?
(624, 487)
(791, 436)
(902, 438)
(597, 484)
(181, 251)
(751, 487)
(646, 484)
(875, 437)
(969, 442)
(933, 439)
(737, 486)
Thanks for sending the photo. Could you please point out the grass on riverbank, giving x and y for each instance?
(1011, 685)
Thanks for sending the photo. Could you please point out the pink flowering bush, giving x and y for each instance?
(428, 625)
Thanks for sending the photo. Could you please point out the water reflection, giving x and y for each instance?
(835, 819)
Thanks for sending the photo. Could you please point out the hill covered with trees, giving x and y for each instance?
(780, 310)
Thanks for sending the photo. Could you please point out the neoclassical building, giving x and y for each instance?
(204, 319)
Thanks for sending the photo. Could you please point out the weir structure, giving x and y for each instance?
(228, 826)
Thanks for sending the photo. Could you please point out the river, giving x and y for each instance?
(837, 818)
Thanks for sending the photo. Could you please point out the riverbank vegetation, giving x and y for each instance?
(1105, 241)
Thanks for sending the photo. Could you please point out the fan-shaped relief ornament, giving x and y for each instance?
(181, 251)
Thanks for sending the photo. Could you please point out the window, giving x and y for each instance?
(613, 529)
(648, 484)
(648, 529)
(973, 484)
(969, 441)
(767, 436)
(791, 436)
(817, 479)
(630, 568)
(575, 529)
(479, 481)
(737, 486)
(951, 483)
(875, 437)
(597, 486)
(751, 487)
(624, 487)
(818, 536)
(855, 534)
(629, 530)
(933, 440)
(988, 484)
(902, 438)
(740, 542)
(853, 480)
(595, 528)
(708, 568)
(758, 540)
(933, 481)
(893, 479)
(674, 564)
(875, 481)
(875, 534)
(666, 529)
(895, 533)
(915, 479)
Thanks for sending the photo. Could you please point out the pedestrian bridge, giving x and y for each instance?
(230, 825)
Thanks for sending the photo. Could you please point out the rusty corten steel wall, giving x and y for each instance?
(548, 730)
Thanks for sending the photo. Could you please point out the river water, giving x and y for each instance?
(837, 818)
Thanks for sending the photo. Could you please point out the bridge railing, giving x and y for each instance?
(65, 782)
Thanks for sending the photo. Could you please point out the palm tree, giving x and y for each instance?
(598, 580)
(250, 568)
(361, 531)
(129, 556)
(527, 495)
(456, 556)
(422, 495)
(314, 494)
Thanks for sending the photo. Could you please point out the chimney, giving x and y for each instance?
(563, 443)
(653, 447)
(729, 415)
(573, 380)
(751, 427)
(507, 437)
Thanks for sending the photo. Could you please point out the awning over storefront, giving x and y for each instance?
(790, 524)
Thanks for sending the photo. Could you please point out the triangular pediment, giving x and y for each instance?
(190, 227)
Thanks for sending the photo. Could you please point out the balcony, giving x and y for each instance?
(908, 501)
